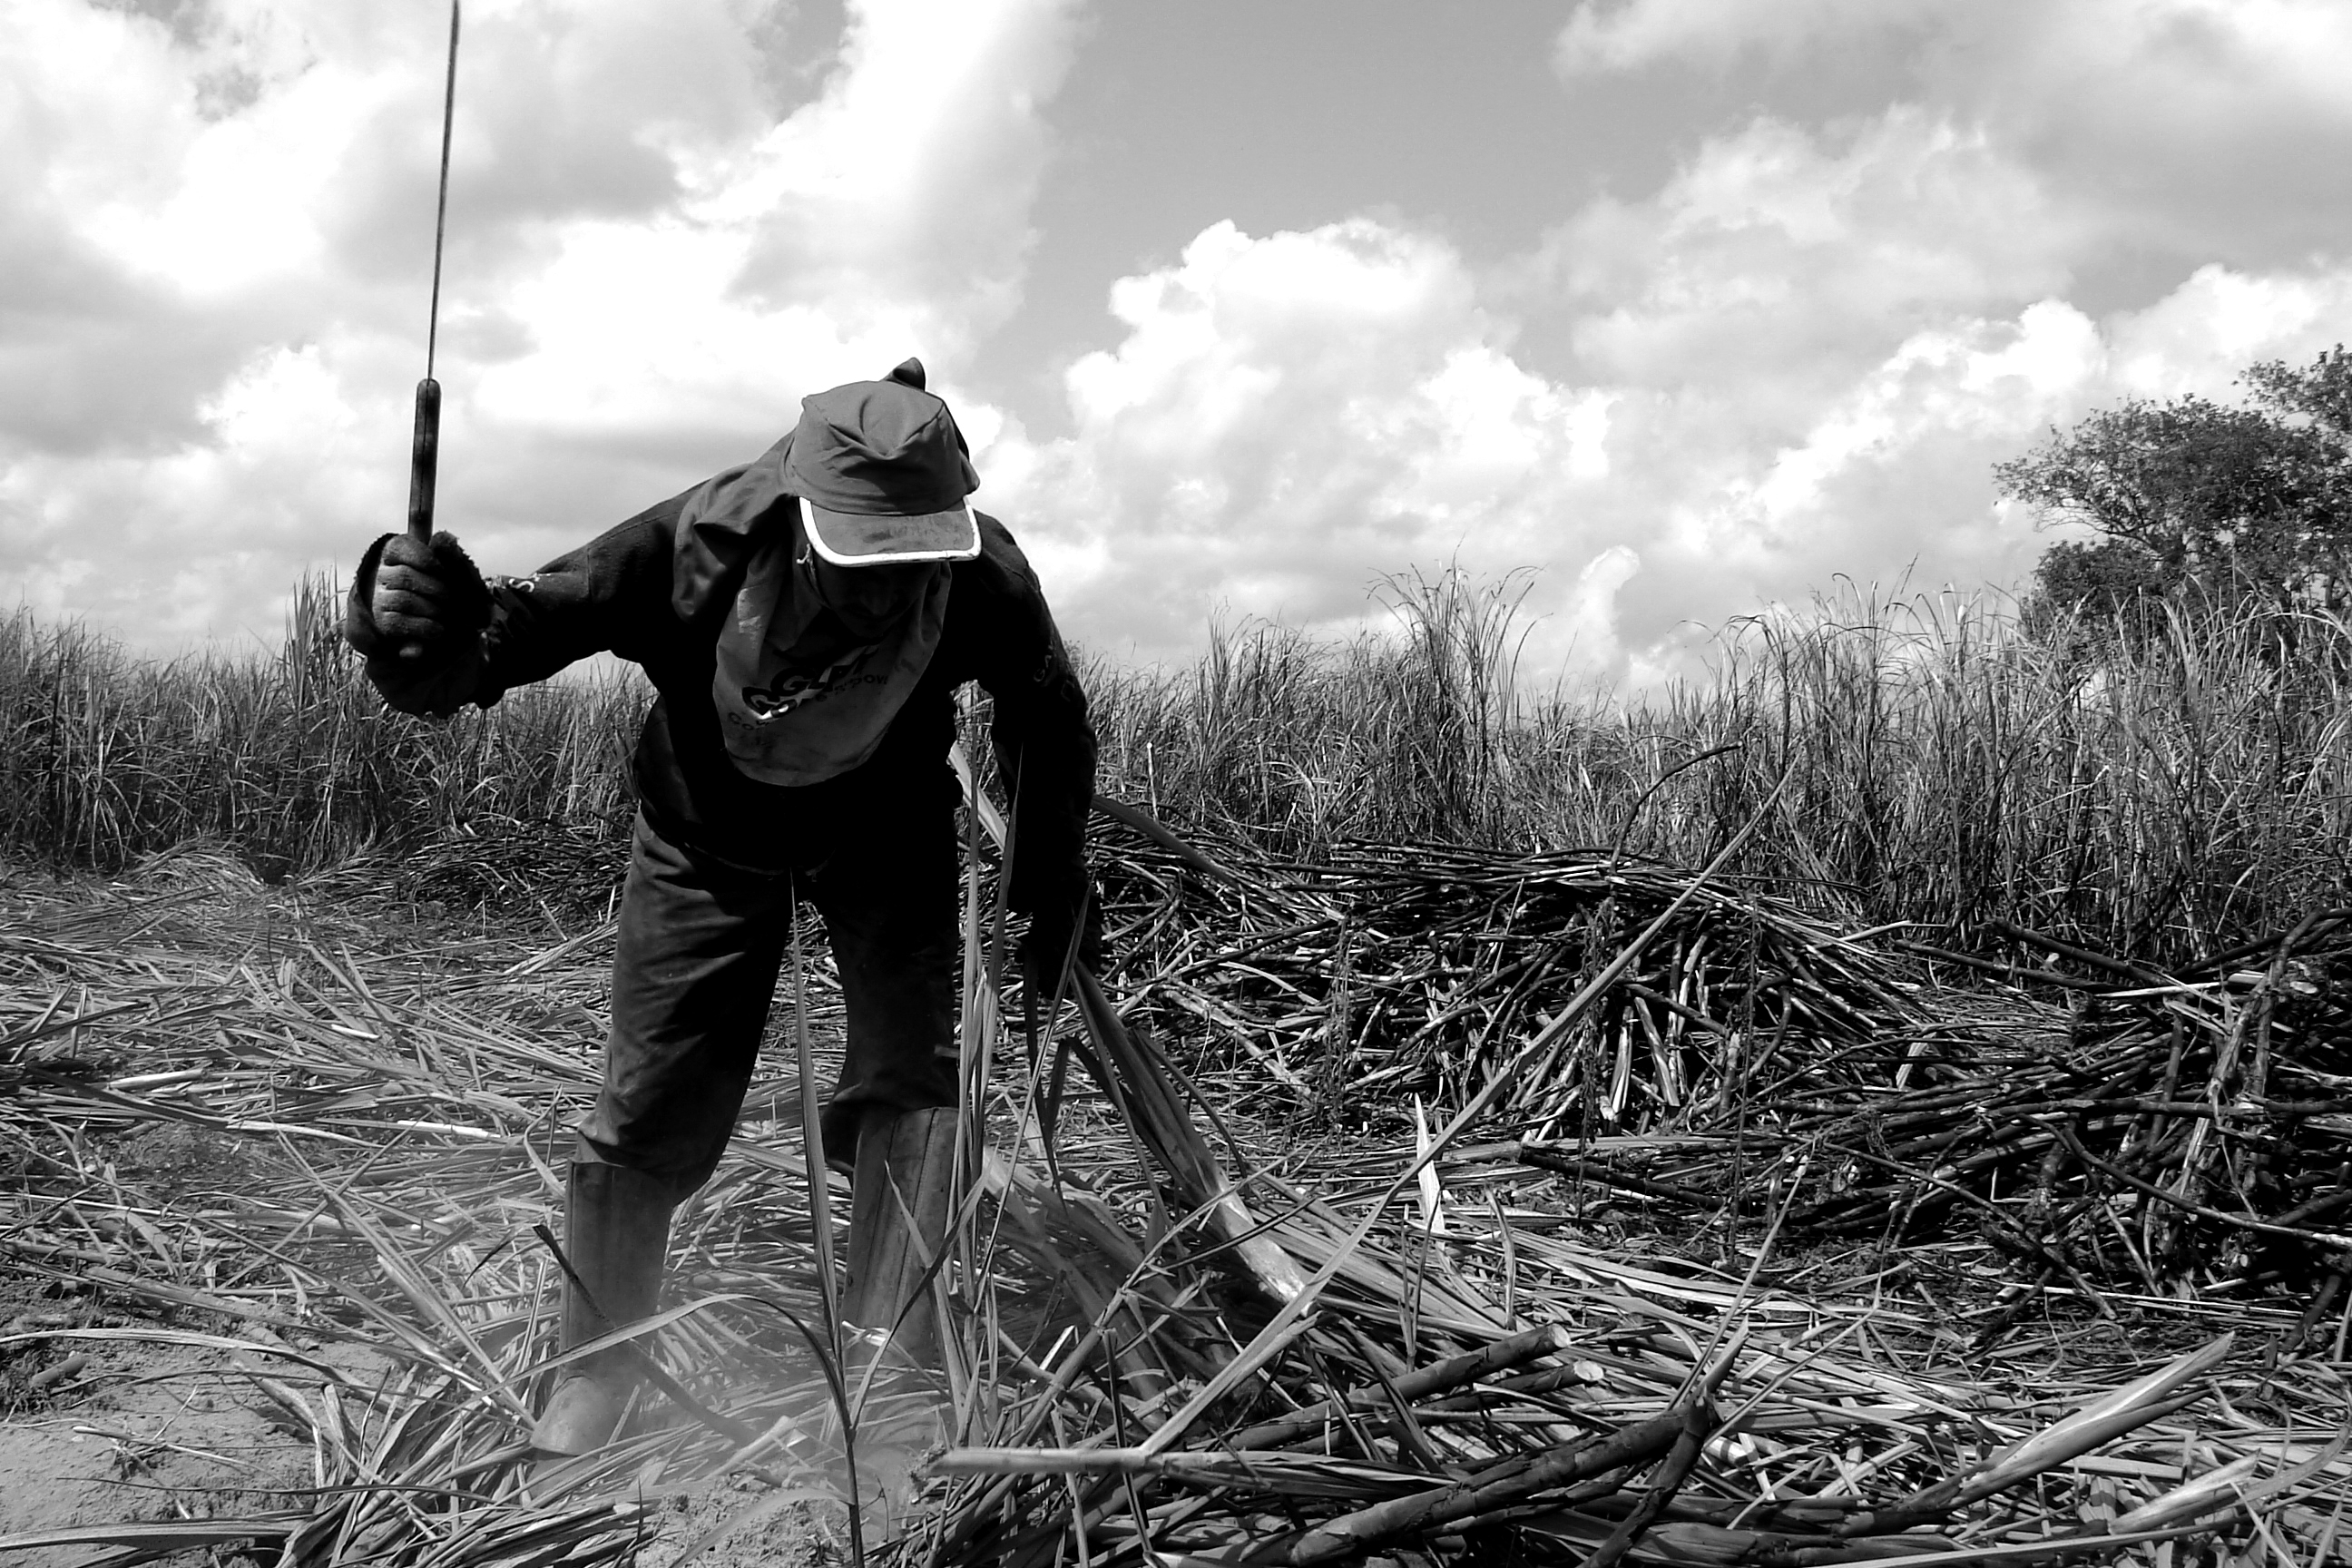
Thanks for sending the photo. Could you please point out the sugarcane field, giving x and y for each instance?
(1502, 1135)
(1340, 784)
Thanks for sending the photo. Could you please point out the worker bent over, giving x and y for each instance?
(805, 619)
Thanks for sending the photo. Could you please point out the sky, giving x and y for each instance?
(1660, 310)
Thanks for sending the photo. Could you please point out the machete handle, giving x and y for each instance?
(423, 461)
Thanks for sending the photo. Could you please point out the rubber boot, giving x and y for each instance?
(616, 1233)
(906, 1168)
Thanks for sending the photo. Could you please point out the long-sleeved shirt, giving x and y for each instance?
(622, 593)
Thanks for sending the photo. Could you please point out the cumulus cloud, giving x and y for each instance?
(2191, 125)
(212, 273)
(1631, 34)
(2217, 322)
(1793, 356)
(1798, 360)
(1286, 417)
(1778, 250)
(1289, 417)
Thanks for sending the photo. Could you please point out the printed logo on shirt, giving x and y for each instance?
(800, 690)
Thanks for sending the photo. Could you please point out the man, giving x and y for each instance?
(805, 619)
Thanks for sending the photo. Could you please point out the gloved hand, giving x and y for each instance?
(1046, 944)
(416, 614)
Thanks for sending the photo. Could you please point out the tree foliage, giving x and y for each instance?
(2250, 500)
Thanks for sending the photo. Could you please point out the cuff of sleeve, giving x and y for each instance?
(439, 689)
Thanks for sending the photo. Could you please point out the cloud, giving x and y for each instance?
(2218, 322)
(1899, 244)
(1631, 34)
(212, 272)
(1799, 359)
(1774, 250)
(1286, 417)
(2192, 125)
(1290, 418)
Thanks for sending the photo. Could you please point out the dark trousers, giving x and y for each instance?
(700, 944)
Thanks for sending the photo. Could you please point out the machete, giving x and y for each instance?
(424, 452)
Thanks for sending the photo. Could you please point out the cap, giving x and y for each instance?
(882, 473)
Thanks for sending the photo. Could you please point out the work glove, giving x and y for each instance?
(416, 614)
(1047, 942)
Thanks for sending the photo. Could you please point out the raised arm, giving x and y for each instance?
(436, 635)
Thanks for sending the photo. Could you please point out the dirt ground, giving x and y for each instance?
(116, 1406)
(138, 1425)
(131, 1415)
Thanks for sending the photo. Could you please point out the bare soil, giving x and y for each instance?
(110, 1417)
(122, 1413)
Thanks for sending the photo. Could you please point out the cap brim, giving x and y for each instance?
(848, 539)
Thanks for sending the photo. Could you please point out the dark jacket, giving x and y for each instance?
(619, 594)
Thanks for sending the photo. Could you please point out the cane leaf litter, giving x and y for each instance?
(1392, 1201)
(1734, 1296)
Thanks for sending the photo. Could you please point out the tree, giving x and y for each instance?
(2254, 500)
